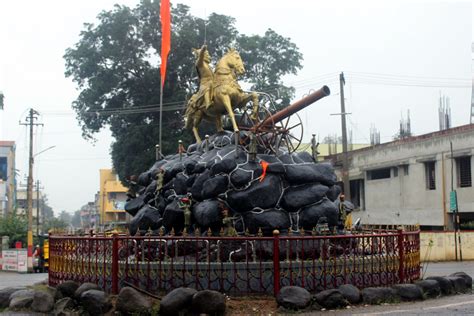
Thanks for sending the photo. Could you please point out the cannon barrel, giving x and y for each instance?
(297, 106)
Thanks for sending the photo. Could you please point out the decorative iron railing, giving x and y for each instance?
(237, 265)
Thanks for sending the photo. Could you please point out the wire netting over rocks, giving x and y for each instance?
(212, 187)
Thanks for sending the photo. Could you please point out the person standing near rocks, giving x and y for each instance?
(342, 214)
(185, 204)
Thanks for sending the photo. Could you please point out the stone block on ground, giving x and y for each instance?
(6, 293)
(379, 295)
(21, 299)
(430, 288)
(293, 297)
(209, 302)
(63, 306)
(459, 285)
(331, 299)
(350, 292)
(96, 302)
(467, 278)
(177, 301)
(85, 287)
(445, 285)
(132, 302)
(43, 302)
(68, 288)
(408, 292)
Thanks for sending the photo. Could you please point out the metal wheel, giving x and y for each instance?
(289, 133)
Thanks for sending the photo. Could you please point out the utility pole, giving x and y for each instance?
(345, 160)
(30, 121)
(38, 212)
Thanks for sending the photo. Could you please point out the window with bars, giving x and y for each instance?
(463, 172)
(430, 177)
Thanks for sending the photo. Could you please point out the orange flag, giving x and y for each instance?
(165, 36)
(264, 165)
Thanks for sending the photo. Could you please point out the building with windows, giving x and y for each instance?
(38, 207)
(408, 181)
(112, 198)
(7, 177)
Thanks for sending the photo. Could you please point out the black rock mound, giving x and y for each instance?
(221, 186)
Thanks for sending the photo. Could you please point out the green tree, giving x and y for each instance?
(119, 83)
(15, 227)
(76, 219)
(55, 223)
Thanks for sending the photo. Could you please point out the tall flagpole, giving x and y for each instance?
(161, 114)
(165, 17)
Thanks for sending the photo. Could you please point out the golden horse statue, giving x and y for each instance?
(226, 96)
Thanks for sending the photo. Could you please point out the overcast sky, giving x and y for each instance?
(397, 56)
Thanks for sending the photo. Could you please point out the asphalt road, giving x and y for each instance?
(8, 279)
(451, 305)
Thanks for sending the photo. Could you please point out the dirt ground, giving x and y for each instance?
(252, 306)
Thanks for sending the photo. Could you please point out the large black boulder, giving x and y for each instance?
(467, 278)
(43, 302)
(214, 186)
(459, 285)
(96, 302)
(68, 288)
(310, 215)
(134, 205)
(6, 293)
(331, 299)
(147, 218)
(240, 177)
(224, 166)
(430, 288)
(310, 173)
(263, 195)
(293, 297)
(83, 288)
(177, 302)
(196, 189)
(302, 156)
(132, 302)
(333, 192)
(173, 216)
(21, 299)
(296, 197)
(266, 220)
(408, 292)
(445, 285)
(208, 302)
(207, 214)
(180, 185)
(350, 292)
(379, 295)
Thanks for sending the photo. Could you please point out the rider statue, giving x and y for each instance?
(203, 98)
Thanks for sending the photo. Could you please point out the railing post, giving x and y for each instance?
(276, 262)
(401, 255)
(49, 259)
(114, 264)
